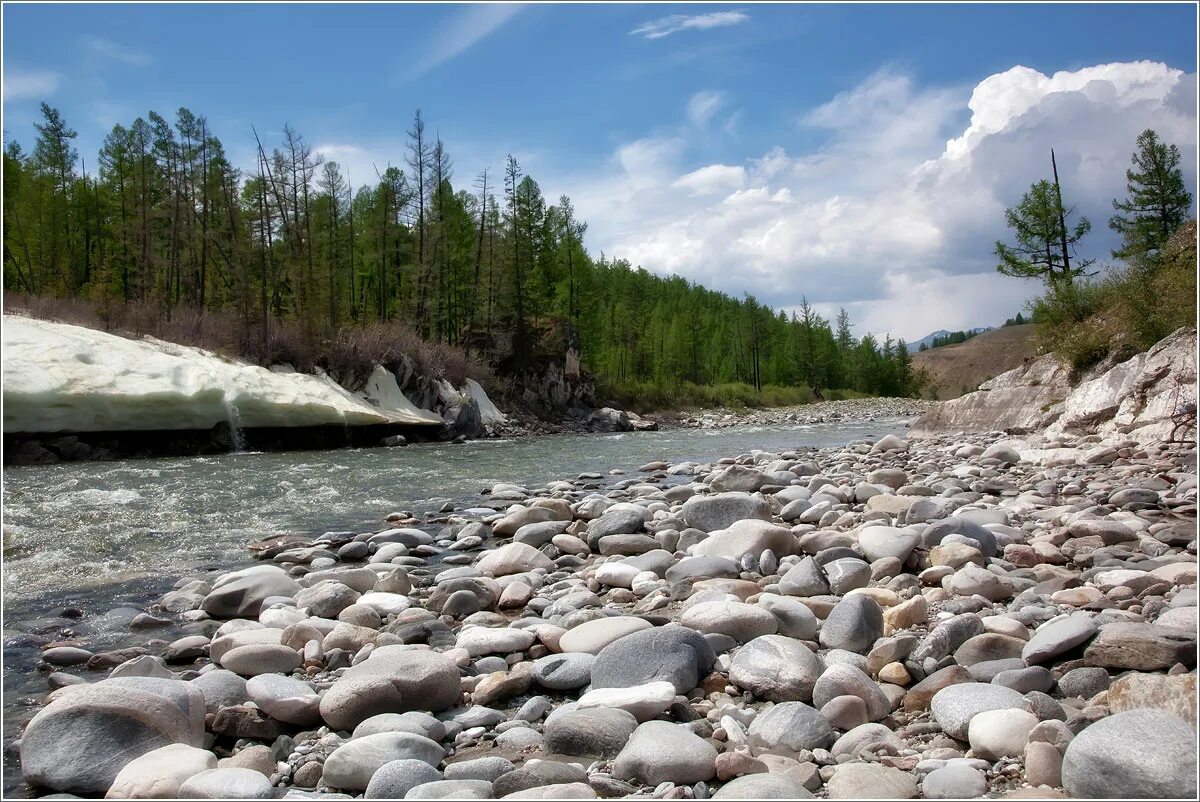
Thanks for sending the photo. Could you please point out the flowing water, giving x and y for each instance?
(112, 536)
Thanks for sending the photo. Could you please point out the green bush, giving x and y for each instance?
(1124, 311)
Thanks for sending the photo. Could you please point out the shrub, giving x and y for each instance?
(1124, 311)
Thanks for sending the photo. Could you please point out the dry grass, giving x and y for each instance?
(348, 354)
(957, 369)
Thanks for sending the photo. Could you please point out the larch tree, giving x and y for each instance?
(1157, 201)
(1044, 240)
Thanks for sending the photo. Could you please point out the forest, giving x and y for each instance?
(295, 254)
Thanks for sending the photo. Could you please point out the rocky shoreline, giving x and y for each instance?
(941, 617)
(609, 419)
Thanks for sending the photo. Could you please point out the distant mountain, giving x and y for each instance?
(928, 339)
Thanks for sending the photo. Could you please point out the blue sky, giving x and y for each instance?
(744, 146)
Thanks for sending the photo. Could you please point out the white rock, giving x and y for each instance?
(643, 701)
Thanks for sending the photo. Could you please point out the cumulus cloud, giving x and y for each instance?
(29, 84)
(895, 214)
(665, 26)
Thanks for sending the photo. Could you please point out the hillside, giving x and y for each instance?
(958, 369)
(928, 339)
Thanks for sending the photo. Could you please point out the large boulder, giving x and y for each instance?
(740, 621)
(159, 773)
(352, 764)
(776, 668)
(81, 740)
(1138, 754)
(588, 732)
(854, 624)
(660, 751)
(710, 513)
(788, 728)
(513, 558)
(671, 653)
(394, 679)
(240, 594)
(746, 537)
(954, 706)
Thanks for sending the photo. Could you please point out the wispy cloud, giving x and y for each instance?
(675, 23)
(703, 105)
(114, 51)
(26, 84)
(462, 31)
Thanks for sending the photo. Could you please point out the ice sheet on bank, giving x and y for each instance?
(59, 377)
(383, 393)
(488, 412)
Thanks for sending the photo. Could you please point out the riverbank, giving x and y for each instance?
(941, 617)
(607, 419)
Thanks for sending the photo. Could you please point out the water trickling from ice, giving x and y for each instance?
(236, 434)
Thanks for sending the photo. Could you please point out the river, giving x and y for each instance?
(107, 537)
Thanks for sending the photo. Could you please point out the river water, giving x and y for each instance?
(111, 536)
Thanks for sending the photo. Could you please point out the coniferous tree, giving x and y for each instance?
(1157, 202)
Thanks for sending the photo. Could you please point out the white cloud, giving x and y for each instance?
(665, 26)
(703, 105)
(895, 214)
(713, 178)
(114, 51)
(463, 30)
(29, 84)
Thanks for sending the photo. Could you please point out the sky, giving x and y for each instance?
(859, 156)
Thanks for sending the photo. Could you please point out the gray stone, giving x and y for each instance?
(227, 783)
(221, 688)
(563, 672)
(394, 779)
(588, 732)
(877, 542)
(82, 739)
(953, 707)
(413, 721)
(285, 699)
(482, 768)
(954, 781)
(805, 578)
(695, 568)
(352, 764)
(1056, 637)
(240, 594)
(394, 679)
(740, 621)
(453, 789)
(870, 781)
(1084, 682)
(762, 786)
(795, 619)
(847, 680)
(710, 513)
(659, 751)
(854, 624)
(1138, 754)
(776, 668)
(672, 653)
(788, 728)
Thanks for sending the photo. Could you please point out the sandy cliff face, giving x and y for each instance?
(1143, 398)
